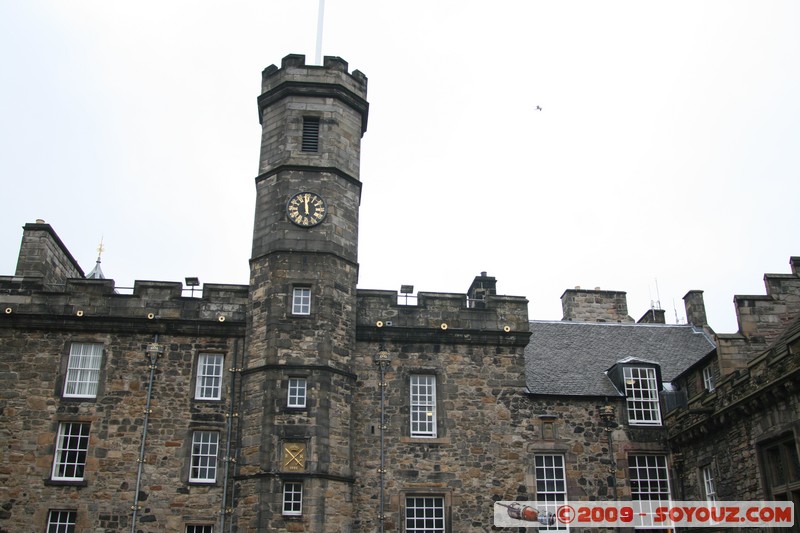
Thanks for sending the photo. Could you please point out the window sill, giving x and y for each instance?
(65, 483)
(425, 440)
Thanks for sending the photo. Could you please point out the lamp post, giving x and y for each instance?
(383, 360)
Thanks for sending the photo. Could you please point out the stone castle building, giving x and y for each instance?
(301, 403)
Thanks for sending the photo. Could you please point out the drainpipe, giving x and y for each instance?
(608, 416)
(153, 351)
(382, 359)
(228, 431)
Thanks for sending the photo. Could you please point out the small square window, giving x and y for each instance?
(301, 301)
(292, 499)
(297, 392)
(83, 370)
(310, 141)
(205, 448)
(72, 446)
(61, 521)
(423, 405)
(209, 376)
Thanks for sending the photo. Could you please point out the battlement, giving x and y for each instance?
(331, 80)
(441, 317)
(761, 319)
(333, 70)
(91, 299)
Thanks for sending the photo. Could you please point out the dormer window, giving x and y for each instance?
(641, 393)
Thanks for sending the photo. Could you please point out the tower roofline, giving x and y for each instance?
(330, 80)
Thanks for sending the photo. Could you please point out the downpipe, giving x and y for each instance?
(153, 352)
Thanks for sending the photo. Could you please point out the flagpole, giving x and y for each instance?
(320, 17)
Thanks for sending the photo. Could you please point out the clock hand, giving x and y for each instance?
(306, 202)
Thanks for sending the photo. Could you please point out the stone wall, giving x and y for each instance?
(42, 255)
(756, 398)
(32, 370)
(582, 305)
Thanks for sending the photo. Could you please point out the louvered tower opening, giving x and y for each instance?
(310, 134)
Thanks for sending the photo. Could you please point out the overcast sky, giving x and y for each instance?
(666, 156)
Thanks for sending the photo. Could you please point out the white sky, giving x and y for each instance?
(668, 147)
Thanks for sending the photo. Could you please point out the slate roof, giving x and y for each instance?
(570, 358)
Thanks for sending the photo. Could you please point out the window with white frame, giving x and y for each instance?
(641, 391)
(649, 479)
(61, 521)
(423, 405)
(708, 378)
(292, 498)
(425, 514)
(205, 528)
(297, 392)
(205, 448)
(551, 486)
(301, 301)
(72, 447)
(708, 484)
(209, 376)
(83, 370)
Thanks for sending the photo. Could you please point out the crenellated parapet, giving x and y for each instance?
(446, 318)
(98, 303)
(761, 319)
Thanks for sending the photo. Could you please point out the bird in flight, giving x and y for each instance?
(538, 108)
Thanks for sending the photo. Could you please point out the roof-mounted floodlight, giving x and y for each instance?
(192, 282)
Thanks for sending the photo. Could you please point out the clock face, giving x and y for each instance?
(306, 209)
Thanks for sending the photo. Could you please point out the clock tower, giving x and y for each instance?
(296, 457)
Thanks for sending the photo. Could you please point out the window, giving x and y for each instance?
(200, 529)
(641, 390)
(310, 141)
(708, 484)
(423, 405)
(708, 378)
(425, 514)
(61, 521)
(649, 479)
(551, 487)
(782, 471)
(297, 392)
(292, 499)
(205, 446)
(209, 376)
(83, 370)
(72, 445)
(301, 301)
